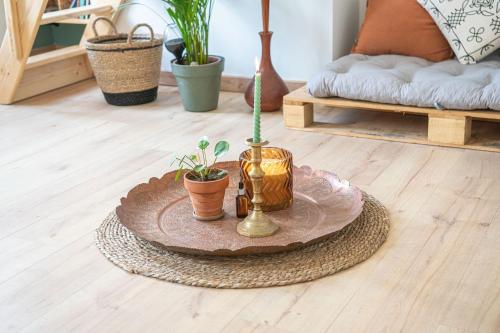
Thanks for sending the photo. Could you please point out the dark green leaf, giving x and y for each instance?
(221, 148)
(203, 143)
(199, 168)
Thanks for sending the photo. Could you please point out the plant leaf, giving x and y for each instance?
(203, 143)
(178, 173)
(192, 18)
(199, 168)
(175, 159)
(221, 148)
(193, 158)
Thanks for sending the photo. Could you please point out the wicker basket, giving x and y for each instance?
(126, 66)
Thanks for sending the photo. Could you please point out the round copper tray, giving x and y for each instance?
(160, 212)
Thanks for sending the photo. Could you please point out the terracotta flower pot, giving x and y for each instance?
(207, 197)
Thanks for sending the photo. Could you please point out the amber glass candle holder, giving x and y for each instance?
(277, 185)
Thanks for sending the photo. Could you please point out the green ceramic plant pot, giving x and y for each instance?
(199, 85)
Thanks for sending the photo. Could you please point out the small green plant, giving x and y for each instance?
(197, 165)
(192, 18)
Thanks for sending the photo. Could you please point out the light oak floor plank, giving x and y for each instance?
(66, 158)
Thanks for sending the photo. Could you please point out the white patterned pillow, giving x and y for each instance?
(472, 27)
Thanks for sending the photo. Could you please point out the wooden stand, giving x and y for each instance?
(22, 75)
(450, 128)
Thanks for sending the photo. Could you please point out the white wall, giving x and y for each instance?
(308, 34)
(2, 20)
(347, 18)
(302, 43)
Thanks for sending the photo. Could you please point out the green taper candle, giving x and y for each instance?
(256, 107)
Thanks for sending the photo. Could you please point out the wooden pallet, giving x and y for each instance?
(24, 75)
(450, 128)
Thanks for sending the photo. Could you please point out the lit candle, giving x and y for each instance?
(275, 173)
(256, 103)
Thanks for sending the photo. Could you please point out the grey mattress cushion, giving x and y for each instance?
(395, 79)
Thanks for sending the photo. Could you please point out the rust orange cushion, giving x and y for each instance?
(401, 27)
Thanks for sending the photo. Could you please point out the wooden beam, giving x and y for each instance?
(66, 14)
(298, 116)
(12, 68)
(82, 21)
(13, 29)
(451, 130)
(302, 96)
(55, 56)
(38, 80)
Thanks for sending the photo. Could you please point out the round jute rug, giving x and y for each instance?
(345, 248)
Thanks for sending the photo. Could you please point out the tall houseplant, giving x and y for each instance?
(198, 74)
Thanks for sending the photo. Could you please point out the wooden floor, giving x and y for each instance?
(66, 158)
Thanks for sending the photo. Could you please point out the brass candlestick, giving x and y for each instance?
(256, 224)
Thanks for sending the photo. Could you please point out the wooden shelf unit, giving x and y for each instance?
(449, 128)
(23, 76)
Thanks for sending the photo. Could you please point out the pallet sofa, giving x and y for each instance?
(456, 99)
(437, 96)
